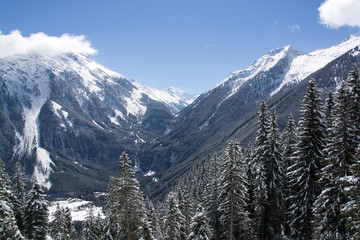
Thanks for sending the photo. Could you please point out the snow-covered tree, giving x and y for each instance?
(235, 221)
(304, 173)
(173, 219)
(353, 90)
(8, 226)
(275, 177)
(261, 188)
(126, 217)
(19, 184)
(328, 221)
(199, 228)
(329, 105)
(153, 219)
(36, 214)
(351, 207)
(61, 227)
(92, 228)
(288, 142)
(211, 200)
(185, 206)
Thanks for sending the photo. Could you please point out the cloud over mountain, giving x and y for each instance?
(339, 13)
(40, 43)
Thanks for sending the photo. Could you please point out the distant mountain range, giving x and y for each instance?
(67, 118)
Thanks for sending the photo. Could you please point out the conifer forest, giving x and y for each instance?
(302, 182)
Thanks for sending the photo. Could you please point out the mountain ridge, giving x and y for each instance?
(67, 118)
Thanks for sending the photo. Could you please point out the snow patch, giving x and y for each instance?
(36, 83)
(118, 114)
(79, 209)
(43, 168)
(149, 174)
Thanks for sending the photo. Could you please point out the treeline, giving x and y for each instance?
(301, 184)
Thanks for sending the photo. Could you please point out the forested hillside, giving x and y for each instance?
(302, 183)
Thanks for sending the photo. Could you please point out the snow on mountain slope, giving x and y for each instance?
(173, 98)
(304, 65)
(301, 64)
(30, 78)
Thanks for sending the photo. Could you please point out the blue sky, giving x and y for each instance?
(189, 44)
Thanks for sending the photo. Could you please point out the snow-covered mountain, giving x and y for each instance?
(48, 100)
(67, 119)
(229, 110)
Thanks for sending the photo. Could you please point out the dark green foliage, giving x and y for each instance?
(36, 214)
(125, 210)
(92, 228)
(304, 173)
(174, 220)
(212, 201)
(288, 141)
(20, 194)
(350, 210)
(8, 226)
(199, 228)
(61, 228)
(233, 195)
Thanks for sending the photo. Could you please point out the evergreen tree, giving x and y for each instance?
(36, 214)
(329, 105)
(8, 226)
(61, 227)
(328, 221)
(125, 205)
(92, 227)
(212, 197)
(275, 176)
(185, 207)
(235, 221)
(19, 184)
(200, 228)
(304, 173)
(153, 220)
(353, 90)
(351, 207)
(261, 188)
(288, 141)
(173, 219)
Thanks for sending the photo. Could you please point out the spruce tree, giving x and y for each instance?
(36, 214)
(153, 219)
(19, 184)
(125, 204)
(288, 141)
(173, 219)
(261, 187)
(8, 226)
(199, 227)
(353, 90)
(304, 173)
(211, 201)
(350, 209)
(185, 202)
(275, 176)
(92, 228)
(328, 221)
(235, 221)
(61, 228)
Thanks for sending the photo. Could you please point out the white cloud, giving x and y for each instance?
(294, 28)
(40, 43)
(208, 45)
(339, 13)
